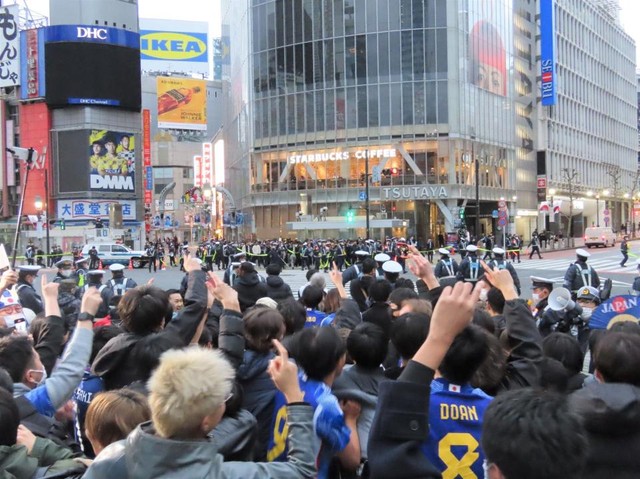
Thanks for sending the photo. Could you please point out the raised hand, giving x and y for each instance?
(501, 279)
(284, 374)
(8, 279)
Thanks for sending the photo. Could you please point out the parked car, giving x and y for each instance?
(599, 236)
(111, 253)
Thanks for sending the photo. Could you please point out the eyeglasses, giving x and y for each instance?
(228, 398)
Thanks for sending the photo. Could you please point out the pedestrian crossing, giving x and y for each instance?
(609, 264)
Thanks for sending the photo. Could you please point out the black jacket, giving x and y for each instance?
(401, 426)
(115, 365)
(380, 314)
(611, 416)
(29, 298)
(277, 289)
(250, 289)
(259, 392)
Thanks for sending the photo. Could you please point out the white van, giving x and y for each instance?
(111, 253)
(599, 236)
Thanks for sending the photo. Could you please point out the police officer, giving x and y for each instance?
(118, 283)
(581, 274)
(500, 263)
(94, 279)
(355, 270)
(624, 249)
(588, 299)
(446, 269)
(81, 272)
(540, 290)
(470, 270)
(381, 259)
(230, 272)
(391, 271)
(65, 270)
(27, 294)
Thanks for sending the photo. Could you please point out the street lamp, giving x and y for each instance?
(43, 208)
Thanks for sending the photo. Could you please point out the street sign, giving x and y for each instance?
(606, 212)
(503, 214)
(376, 174)
(542, 181)
(502, 204)
(494, 214)
(363, 196)
(502, 222)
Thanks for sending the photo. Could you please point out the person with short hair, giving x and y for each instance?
(320, 353)
(112, 415)
(187, 400)
(27, 294)
(379, 311)
(311, 298)
(277, 289)
(531, 434)
(248, 285)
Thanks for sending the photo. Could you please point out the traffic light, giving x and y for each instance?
(62, 225)
(349, 216)
(461, 213)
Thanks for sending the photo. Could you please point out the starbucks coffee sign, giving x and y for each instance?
(423, 192)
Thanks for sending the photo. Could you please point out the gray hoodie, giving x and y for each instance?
(143, 455)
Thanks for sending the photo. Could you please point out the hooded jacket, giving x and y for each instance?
(236, 436)
(611, 416)
(277, 289)
(143, 455)
(114, 363)
(259, 391)
(250, 289)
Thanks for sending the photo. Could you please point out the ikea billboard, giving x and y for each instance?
(174, 46)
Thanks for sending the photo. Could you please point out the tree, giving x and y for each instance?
(615, 173)
(570, 177)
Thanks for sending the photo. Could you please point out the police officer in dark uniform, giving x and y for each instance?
(65, 270)
(540, 290)
(470, 270)
(446, 269)
(94, 279)
(119, 283)
(580, 274)
(501, 263)
(81, 272)
(381, 259)
(27, 294)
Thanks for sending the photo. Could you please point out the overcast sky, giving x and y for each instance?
(203, 9)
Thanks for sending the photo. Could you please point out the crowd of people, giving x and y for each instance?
(451, 376)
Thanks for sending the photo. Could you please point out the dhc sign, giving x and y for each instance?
(174, 46)
(548, 53)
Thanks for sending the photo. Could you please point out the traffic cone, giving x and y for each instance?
(130, 263)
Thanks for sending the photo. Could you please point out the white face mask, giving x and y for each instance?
(483, 294)
(535, 297)
(586, 313)
(44, 375)
(65, 273)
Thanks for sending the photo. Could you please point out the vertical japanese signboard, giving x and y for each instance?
(548, 52)
(197, 171)
(9, 46)
(207, 164)
(146, 157)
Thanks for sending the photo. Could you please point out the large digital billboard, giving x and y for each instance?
(93, 66)
(95, 160)
(182, 103)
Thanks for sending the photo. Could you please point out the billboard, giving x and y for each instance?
(548, 53)
(93, 209)
(9, 46)
(182, 103)
(174, 46)
(93, 66)
(112, 159)
(32, 66)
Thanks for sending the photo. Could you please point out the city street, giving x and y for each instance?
(606, 261)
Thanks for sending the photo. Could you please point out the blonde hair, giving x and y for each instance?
(112, 415)
(187, 386)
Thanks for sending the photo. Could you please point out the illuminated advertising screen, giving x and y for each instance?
(182, 103)
(112, 160)
(92, 66)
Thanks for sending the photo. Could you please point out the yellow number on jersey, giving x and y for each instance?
(280, 432)
(458, 467)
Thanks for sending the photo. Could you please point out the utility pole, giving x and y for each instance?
(366, 193)
(570, 176)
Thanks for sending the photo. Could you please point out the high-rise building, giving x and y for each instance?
(391, 109)
(588, 133)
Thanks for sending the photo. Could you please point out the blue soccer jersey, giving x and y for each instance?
(328, 423)
(455, 429)
(314, 318)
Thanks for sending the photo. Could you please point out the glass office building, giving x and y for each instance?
(421, 98)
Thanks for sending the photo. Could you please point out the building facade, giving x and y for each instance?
(420, 99)
(588, 140)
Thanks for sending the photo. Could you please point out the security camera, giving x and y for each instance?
(23, 153)
(324, 209)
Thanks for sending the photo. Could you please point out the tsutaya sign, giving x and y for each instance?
(414, 193)
(342, 156)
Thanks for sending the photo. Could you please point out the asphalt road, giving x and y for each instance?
(553, 266)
